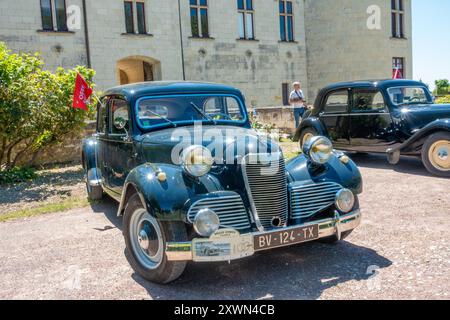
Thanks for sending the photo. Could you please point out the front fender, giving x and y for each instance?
(165, 200)
(89, 153)
(345, 174)
(416, 140)
(312, 122)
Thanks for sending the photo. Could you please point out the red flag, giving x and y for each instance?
(81, 94)
(397, 74)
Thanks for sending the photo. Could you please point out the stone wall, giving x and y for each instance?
(282, 117)
(332, 43)
(69, 151)
(257, 67)
(340, 46)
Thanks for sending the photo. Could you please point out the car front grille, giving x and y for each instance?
(265, 177)
(310, 199)
(230, 209)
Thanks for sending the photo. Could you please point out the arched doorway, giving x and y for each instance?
(138, 69)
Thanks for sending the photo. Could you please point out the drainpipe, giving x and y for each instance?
(86, 35)
(181, 41)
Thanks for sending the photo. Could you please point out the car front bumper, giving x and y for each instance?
(228, 244)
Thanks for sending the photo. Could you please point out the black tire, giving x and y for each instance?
(167, 271)
(427, 162)
(95, 193)
(306, 131)
(334, 239)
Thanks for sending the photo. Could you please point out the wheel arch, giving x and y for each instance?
(314, 123)
(166, 198)
(415, 143)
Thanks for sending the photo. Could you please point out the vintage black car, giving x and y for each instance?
(394, 116)
(195, 182)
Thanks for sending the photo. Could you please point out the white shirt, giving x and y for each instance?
(295, 95)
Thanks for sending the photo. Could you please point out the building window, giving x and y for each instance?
(285, 93)
(199, 18)
(47, 16)
(60, 14)
(245, 11)
(140, 10)
(130, 8)
(129, 19)
(398, 18)
(286, 20)
(398, 68)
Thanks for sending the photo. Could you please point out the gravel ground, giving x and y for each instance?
(401, 251)
(52, 185)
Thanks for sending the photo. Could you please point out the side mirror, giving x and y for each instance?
(433, 98)
(120, 123)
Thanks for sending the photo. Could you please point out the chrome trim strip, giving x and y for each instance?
(182, 251)
(356, 114)
(230, 209)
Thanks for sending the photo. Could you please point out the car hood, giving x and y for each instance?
(159, 147)
(418, 116)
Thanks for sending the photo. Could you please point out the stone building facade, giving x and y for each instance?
(259, 46)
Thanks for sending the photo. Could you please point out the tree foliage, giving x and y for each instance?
(35, 106)
(442, 86)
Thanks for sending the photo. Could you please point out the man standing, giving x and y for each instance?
(297, 100)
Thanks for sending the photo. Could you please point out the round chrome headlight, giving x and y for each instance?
(318, 149)
(206, 222)
(345, 200)
(197, 160)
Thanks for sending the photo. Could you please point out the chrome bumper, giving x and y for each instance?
(184, 251)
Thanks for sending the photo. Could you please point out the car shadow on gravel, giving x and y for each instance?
(47, 185)
(407, 164)
(299, 272)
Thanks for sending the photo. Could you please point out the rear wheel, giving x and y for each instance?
(307, 134)
(146, 238)
(436, 154)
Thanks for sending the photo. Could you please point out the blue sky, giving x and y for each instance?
(431, 40)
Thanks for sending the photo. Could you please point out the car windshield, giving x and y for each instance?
(162, 111)
(409, 95)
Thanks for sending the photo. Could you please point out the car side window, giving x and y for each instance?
(368, 100)
(337, 102)
(118, 109)
(102, 117)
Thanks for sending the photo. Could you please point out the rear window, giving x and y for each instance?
(337, 102)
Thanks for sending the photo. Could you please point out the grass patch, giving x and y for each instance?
(46, 208)
(291, 155)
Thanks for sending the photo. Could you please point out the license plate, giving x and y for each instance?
(286, 237)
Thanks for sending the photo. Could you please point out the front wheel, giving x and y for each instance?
(146, 238)
(436, 154)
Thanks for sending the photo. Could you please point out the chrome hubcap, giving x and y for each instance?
(439, 155)
(146, 239)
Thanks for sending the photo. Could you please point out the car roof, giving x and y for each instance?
(136, 90)
(383, 83)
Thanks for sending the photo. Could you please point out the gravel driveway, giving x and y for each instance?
(401, 251)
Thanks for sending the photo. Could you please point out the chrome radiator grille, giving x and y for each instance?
(310, 199)
(265, 176)
(230, 209)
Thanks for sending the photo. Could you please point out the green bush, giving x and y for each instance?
(443, 100)
(35, 107)
(16, 175)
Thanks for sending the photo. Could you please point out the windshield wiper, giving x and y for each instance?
(161, 117)
(204, 115)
